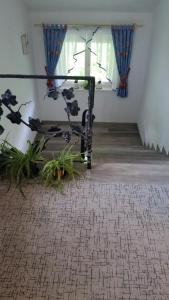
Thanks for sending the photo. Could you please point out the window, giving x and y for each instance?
(96, 58)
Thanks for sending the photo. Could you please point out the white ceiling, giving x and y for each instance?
(92, 5)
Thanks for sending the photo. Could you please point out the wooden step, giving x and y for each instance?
(115, 142)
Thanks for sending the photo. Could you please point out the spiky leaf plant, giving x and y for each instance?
(17, 166)
(55, 170)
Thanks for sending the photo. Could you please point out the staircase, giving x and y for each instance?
(121, 142)
(57, 144)
(112, 142)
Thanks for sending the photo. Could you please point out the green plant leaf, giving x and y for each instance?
(63, 161)
(18, 166)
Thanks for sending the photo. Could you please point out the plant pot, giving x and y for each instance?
(61, 173)
(2, 167)
(35, 170)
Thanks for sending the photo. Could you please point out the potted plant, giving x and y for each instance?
(17, 166)
(99, 85)
(60, 167)
(76, 84)
(86, 84)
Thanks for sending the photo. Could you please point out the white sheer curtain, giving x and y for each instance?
(72, 44)
(87, 62)
(102, 46)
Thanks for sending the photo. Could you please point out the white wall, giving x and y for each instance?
(108, 107)
(154, 117)
(14, 22)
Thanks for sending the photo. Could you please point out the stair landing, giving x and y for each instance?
(118, 155)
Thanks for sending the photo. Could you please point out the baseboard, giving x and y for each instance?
(156, 149)
(96, 124)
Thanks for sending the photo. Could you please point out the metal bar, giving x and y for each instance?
(11, 110)
(47, 77)
(90, 123)
(90, 25)
(90, 101)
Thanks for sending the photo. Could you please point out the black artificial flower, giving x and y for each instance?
(1, 130)
(67, 136)
(14, 117)
(1, 111)
(34, 124)
(72, 108)
(53, 93)
(8, 98)
(68, 93)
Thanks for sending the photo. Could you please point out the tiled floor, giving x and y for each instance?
(106, 238)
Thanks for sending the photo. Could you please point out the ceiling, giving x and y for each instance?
(92, 5)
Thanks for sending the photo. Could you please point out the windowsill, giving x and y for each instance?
(104, 89)
(96, 90)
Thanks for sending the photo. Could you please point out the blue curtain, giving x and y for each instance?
(54, 36)
(123, 44)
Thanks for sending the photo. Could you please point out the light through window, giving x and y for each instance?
(96, 58)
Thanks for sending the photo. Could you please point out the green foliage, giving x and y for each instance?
(17, 166)
(86, 84)
(55, 170)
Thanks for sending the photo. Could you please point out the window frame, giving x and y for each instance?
(106, 85)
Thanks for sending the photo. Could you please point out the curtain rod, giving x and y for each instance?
(102, 25)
